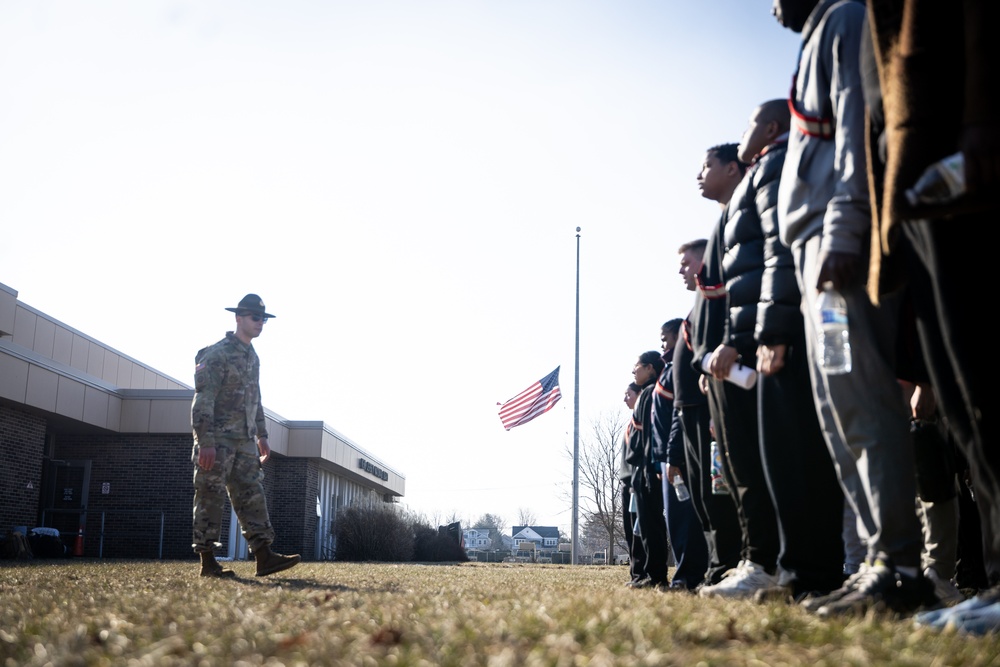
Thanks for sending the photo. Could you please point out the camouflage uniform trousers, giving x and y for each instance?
(238, 471)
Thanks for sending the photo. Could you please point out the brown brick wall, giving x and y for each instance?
(22, 445)
(292, 504)
(146, 474)
(154, 472)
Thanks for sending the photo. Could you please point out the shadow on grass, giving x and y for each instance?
(292, 583)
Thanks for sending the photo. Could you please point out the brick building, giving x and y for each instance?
(98, 445)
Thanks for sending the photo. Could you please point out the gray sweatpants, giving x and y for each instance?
(865, 419)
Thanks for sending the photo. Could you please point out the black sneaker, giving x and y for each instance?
(649, 583)
(814, 602)
(882, 588)
(680, 585)
(790, 593)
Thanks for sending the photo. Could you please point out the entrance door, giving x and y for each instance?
(64, 494)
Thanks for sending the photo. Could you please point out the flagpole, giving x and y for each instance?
(575, 556)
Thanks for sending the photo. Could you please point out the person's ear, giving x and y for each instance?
(773, 129)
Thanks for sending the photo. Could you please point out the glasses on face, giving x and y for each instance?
(255, 317)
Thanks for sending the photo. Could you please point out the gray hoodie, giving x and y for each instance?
(824, 186)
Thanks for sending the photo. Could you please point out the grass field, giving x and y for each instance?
(161, 613)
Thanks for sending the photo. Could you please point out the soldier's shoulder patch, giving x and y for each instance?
(199, 367)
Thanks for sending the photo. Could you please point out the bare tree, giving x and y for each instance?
(600, 498)
(525, 517)
(594, 536)
(433, 519)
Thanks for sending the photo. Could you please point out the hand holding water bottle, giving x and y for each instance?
(834, 344)
(681, 489)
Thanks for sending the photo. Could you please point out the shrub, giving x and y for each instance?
(431, 545)
(385, 533)
(376, 533)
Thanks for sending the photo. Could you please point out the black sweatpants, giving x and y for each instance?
(740, 444)
(716, 512)
(803, 482)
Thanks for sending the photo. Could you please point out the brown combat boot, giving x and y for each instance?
(269, 562)
(211, 568)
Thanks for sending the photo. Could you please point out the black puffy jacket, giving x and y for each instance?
(758, 270)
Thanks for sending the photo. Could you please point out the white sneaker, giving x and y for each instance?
(742, 582)
(944, 589)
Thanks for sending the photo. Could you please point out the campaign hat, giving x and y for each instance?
(251, 303)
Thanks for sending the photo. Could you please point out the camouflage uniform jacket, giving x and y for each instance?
(227, 393)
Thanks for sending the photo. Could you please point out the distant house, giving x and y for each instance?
(480, 546)
(477, 538)
(535, 542)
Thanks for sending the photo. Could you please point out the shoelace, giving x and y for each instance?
(733, 571)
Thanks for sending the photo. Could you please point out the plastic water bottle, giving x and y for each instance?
(681, 489)
(940, 183)
(834, 336)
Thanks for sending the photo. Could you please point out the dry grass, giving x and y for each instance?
(161, 613)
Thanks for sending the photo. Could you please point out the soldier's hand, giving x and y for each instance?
(722, 361)
(923, 403)
(264, 449)
(206, 457)
(673, 471)
(839, 268)
(771, 358)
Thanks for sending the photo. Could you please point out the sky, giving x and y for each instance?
(401, 182)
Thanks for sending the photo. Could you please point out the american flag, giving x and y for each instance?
(537, 399)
